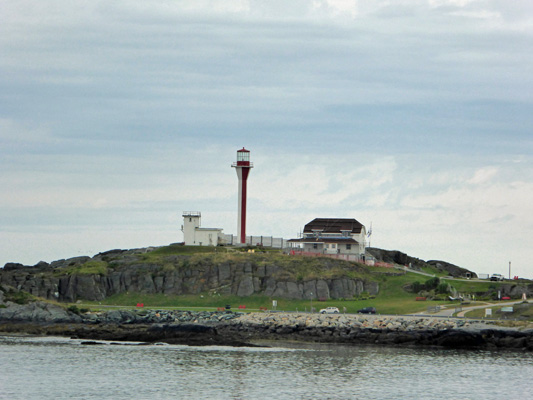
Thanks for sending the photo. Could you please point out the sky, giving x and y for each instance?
(411, 116)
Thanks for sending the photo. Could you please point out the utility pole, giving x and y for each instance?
(509, 270)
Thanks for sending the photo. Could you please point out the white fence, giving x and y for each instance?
(266, 241)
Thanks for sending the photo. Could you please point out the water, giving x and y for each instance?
(60, 368)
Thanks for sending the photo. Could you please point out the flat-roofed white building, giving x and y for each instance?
(194, 235)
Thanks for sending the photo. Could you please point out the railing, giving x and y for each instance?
(265, 241)
(346, 257)
(242, 164)
(192, 214)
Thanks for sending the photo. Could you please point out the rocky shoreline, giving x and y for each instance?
(250, 329)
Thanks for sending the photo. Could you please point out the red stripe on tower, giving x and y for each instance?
(242, 167)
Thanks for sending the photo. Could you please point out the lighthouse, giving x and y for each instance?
(242, 166)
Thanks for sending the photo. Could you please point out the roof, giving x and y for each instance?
(333, 225)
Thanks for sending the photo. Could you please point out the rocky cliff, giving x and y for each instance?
(159, 271)
(397, 257)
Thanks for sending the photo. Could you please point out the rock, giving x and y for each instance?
(37, 312)
(12, 266)
(459, 339)
(42, 265)
(246, 286)
(322, 289)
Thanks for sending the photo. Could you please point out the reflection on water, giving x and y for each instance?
(58, 368)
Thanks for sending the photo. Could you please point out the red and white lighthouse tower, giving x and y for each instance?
(242, 166)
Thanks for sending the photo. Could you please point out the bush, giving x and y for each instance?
(18, 296)
(88, 268)
(432, 283)
(417, 287)
(74, 309)
(443, 288)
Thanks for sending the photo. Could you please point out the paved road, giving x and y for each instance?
(449, 311)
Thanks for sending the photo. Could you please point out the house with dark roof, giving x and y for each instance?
(332, 236)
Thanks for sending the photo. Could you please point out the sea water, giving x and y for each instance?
(61, 368)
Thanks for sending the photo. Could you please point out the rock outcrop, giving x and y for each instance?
(397, 257)
(120, 271)
(37, 312)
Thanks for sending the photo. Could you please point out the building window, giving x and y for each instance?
(315, 246)
(332, 245)
(348, 247)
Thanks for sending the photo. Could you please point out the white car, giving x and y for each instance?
(329, 310)
(496, 277)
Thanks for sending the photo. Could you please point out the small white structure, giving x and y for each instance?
(194, 235)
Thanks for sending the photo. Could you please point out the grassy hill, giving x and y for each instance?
(396, 294)
(400, 290)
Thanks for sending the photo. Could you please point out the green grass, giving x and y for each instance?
(17, 296)
(176, 249)
(522, 311)
(89, 268)
(392, 299)
(291, 267)
(433, 271)
(478, 289)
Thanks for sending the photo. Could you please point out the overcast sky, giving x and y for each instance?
(413, 116)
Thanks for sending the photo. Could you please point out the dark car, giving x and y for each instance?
(367, 310)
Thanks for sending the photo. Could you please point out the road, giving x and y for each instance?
(449, 311)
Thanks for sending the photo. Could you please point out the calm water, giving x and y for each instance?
(59, 368)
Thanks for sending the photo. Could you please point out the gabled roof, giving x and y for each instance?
(333, 225)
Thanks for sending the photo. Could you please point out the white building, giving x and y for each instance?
(194, 235)
(332, 236)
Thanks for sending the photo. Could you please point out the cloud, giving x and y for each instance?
(413, 114)
(483, 175)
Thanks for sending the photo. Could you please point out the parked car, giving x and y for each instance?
(367, 310)
(496, 277)
(329, 310)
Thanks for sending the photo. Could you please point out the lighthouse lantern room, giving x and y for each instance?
(242, 167)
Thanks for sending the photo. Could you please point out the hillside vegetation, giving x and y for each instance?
(213, 277)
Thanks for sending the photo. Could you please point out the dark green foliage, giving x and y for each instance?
(417, 287)
(442, 288)
(432, 283)
(74, 309)
(18, 296)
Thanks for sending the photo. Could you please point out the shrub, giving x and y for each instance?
(416, 287)
(18, 296)
(74, 309)
(432, 283)
(443, 288)
(88, 268)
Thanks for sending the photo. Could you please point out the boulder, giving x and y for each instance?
(246, 286)
(41, 312)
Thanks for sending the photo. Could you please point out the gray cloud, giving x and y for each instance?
(130, 111)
